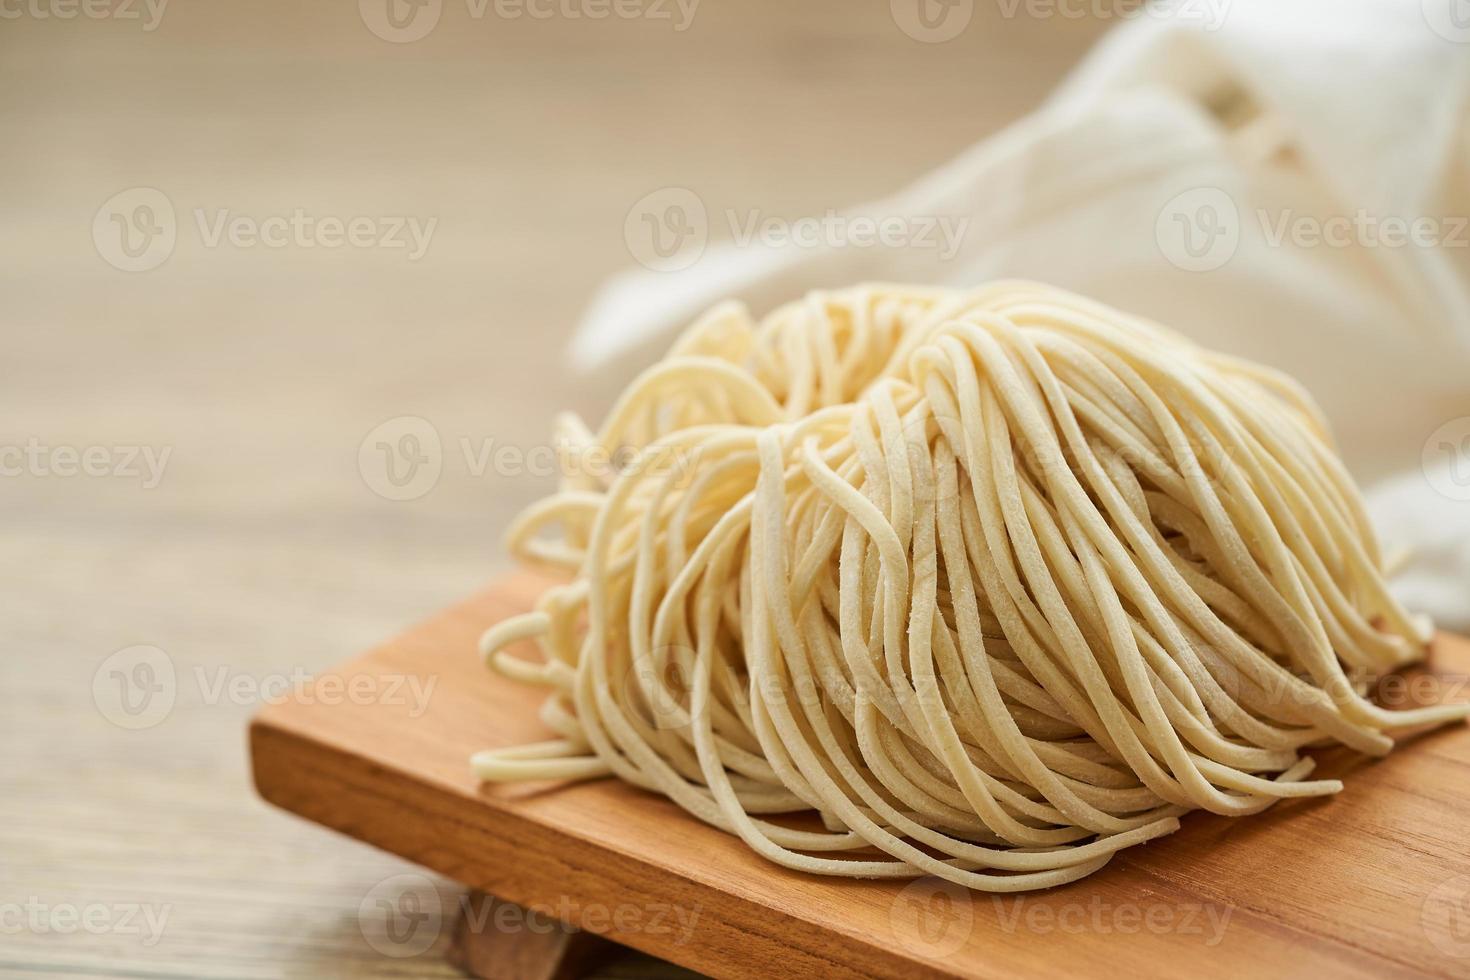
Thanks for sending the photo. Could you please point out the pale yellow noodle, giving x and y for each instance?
(992, 583)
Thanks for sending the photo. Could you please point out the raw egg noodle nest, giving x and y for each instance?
(993, 583)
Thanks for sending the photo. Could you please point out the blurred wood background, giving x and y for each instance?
(263, 552)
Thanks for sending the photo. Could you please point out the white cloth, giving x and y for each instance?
(1267, 125)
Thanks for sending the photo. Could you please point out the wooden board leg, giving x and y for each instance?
(496, 940)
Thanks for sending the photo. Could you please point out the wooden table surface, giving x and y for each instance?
(262, 553)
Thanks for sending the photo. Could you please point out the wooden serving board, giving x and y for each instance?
(1373, 882)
